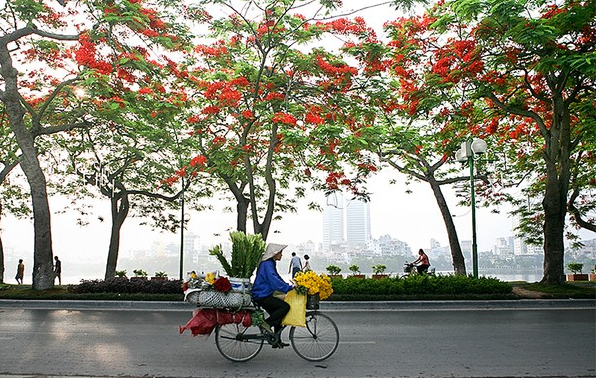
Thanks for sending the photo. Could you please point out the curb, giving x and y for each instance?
(520, 304)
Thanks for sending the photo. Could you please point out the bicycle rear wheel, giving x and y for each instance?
(318, 340)
(236, 343)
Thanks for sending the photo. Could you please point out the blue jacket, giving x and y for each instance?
(268, 280)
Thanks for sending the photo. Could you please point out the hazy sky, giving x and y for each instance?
(413, 218)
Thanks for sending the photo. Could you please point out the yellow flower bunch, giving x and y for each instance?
(210, 277)
(314, 283)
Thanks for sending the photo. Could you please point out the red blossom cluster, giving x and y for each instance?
(85, 56)
(346, 26)
(248, 114)
(335, 179)
(216, 50)
(313, 118)
(337, 69)
(275, 96)
(284, 118)
(367, 167)
(211, 109)
(199, 160)
(225, 93)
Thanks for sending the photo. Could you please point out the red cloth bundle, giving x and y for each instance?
(204, 320)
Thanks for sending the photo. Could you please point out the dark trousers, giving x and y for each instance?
(422, 268)
(276, 308)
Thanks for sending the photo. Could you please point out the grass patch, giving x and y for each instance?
(575, 291)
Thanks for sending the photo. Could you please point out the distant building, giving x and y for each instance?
(520, 248)
(358, 223)
(588, 251)
(436, 250)
(503, 247)
(333, 224)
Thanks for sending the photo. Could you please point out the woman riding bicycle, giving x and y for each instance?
(423, 260)
(267, 282)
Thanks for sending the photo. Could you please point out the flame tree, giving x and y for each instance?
(274, 106)
(526, 72)
(60, 37)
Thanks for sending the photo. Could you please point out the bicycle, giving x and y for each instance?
(315, 342)
(410, 270)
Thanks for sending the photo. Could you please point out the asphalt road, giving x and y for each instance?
(558, 342)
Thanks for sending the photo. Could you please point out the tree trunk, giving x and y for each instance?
(120, 207)
(242, 214)
(1, 254)
(558, 175)
(457, 257)
(42, 250)
(555, 208)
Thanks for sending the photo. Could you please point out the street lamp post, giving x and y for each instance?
(182, 235)
(468, 153)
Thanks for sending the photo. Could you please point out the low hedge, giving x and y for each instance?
(419, 285)
(124, 286)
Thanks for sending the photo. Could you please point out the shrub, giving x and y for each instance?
(379, 268)
(121, 273)
(129, 287)
(139, 273)
(575, 268)
(416, 285)
(333, 269)
(354, 269)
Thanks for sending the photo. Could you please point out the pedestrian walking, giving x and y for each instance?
(58, 270)
(306, 266)
(295, 265)
(20, 272)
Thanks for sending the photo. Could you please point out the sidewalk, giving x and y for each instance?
(519, 304)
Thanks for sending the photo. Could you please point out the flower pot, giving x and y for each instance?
(379, 276)
(312, 302)
(577, 277)
(358, 276)
(138, 278)
(240, 284)
(592, 276)
(335, 276)
(159, 278)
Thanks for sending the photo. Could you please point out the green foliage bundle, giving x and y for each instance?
(247, 251)
(419, 285)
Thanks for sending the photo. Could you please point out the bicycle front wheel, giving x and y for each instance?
(318, 340)
(236, 343)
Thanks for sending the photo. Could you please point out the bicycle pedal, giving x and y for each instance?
(280, 345)
(271, 338)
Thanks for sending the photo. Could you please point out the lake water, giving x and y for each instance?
(528, 276)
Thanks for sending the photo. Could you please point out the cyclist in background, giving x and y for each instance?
(422, 261)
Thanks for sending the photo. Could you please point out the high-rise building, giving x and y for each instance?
(333, 224)
(358, 223)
